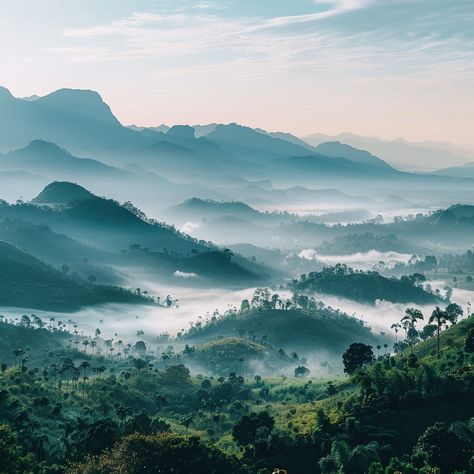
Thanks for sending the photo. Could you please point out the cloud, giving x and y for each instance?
(359, 260)
(337, 7)
(189, 227)
(185, 275)
(364, 40)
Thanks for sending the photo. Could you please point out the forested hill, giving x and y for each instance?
(365, 287)
(26, 282)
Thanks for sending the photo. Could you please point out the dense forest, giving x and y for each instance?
(80, 404)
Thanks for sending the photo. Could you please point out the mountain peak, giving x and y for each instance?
(181, 131)
(84, 102)
(62, 192)
(5, 93)
(43, 145)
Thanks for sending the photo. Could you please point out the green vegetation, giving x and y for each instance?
(107, 406)
(299, 323)
(366, 287)
(26, 282)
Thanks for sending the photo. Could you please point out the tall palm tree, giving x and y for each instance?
(440, 317)
(396, 327)
(412, 315)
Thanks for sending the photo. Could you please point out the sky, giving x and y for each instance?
(388, 68)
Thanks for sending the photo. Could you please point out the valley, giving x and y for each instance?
(227, 297)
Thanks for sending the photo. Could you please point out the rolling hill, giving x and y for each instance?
(364, 287)
(26, 282)
(62, 193)
(322, 330)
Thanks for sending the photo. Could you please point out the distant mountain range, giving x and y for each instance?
(73, 135)
(464, 171)
(48, 159)
(416, 156)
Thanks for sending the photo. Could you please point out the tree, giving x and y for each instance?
(443, 448)
(11, 459)
(228, 254)
(138, 423)
(357, 356)
(139, 364)
(453, 312)
(177, 375)
(245, 430)
(140, 347)
(302, 371)
(440, 317)
(469, 342)
(412, 315)
(427, 331)
(244, 306)
(396, 327)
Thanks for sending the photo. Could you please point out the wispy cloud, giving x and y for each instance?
(206, 43)
(334, 8)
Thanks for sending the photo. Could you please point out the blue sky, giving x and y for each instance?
(376, 67)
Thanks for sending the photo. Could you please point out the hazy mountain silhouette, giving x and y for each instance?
(80, 121)
(340, 150)
(215, 208)
(74, 119)
(401, 153)
(465, 171)
(62, 193)
(242, 139)
(55, 162)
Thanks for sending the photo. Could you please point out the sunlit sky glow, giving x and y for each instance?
(375, 67)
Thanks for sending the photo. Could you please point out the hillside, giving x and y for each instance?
(316, 331)
(364, 287)
(62, 193)
(394, 412)
(209, 268)
(26, 282)
(236, 354)
(341, 150)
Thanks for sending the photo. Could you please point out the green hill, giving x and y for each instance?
(235, 354)
(26, 282)
(321, 330)
(62, 192)
(365, 287)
